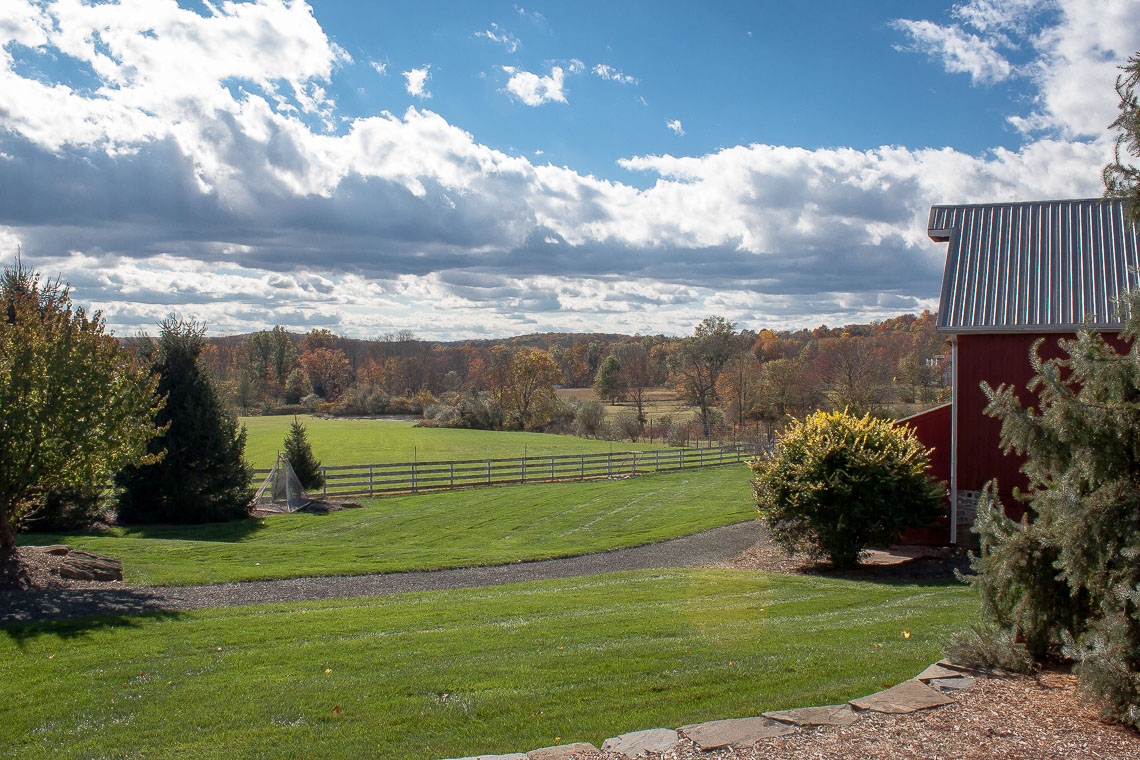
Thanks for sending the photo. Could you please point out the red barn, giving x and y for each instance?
(1016, 272)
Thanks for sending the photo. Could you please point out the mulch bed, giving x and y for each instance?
(29, 567)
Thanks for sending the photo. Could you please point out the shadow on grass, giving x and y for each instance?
(26, 615)
(233, 531)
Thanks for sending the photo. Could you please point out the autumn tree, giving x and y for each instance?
(197, 473)
(636, 372)
(328, 370)
(609, 383)
(1122, 179)
(528, 396)
(697, 360)
(738, 386)
(74, 406)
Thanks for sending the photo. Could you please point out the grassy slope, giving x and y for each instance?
(338, 442)
(447, 674)
(447, 529)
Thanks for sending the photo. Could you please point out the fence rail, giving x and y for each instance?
(413, 477)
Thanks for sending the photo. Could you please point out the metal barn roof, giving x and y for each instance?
(1041, 266)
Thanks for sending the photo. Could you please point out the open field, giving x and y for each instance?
(658, 402)
(360, 441)
(447, 674)
(480, 526)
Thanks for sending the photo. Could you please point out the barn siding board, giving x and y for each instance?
(932, 428)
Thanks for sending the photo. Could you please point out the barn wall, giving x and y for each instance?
(932, 428)
(995, 359)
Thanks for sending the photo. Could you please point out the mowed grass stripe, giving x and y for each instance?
(447, 674)
(481, 526)
(349, 442)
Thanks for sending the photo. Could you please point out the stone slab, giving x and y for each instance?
(58, 550)
(958, 683)
(560, 752)
(909, 696)
(937, 671)
(955, 666)
(637, 743)
(828, 715)
(88, 566)
(734, 732)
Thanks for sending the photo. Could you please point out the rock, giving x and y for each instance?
(561, 752)
(829, 715)
(89, 566)
(937, 670)
(512, 756)
(907, 697)
(58, 550)
(734, 732)
(958, 683)
(638, 743)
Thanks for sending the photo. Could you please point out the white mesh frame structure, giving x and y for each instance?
(281, 491)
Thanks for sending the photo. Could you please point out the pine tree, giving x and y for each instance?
(202, 476)
(1065, 581)
(1122, 178)
(301, 459)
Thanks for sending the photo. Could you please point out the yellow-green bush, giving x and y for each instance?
(835, 484)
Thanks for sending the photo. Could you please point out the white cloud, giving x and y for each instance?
(534, 90)
(959, 51)
(611, 74)
(501, 36)
(675, 127)
(417, 81)
(177, 188)
(1073, 46)
(380, 67)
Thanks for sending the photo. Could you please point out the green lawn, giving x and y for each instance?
(448, 674)
(479, 526)
(340, 442)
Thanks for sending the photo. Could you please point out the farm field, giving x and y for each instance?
(658, 402)
(449, 674)
(361, 441)
(479, 526)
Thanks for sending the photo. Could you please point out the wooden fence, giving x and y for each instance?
(413, 477)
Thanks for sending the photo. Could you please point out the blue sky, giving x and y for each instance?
(488, 169)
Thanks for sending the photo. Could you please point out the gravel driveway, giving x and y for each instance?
(698, 550)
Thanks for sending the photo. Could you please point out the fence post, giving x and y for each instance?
(488, 472)
(413, 477)
(634, 470)
(369, 480)
(582, 467)
(610, 465)
(552, 468)
(701, 461)
(325, 485)
(522, 467)
(451, 475)
(657, 460)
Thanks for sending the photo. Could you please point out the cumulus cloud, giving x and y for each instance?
(675, 127)
(1073, 46)
(534, 90)
(611, 74)
(381, 68)
(501, 36)
(217, 191)
(959, 51)
(416, 81)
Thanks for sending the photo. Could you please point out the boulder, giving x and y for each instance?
(89, 566)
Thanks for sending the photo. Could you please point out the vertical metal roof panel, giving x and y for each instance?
(1043, 265)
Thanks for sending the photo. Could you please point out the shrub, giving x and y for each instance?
(588, 418)
(68, 509)
(626, 424)
(835, 484)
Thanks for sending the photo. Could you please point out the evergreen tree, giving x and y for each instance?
(301, 459)
(1122, 179)
(1065, 581)
(201, 476)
